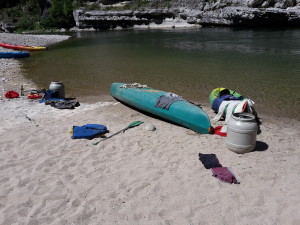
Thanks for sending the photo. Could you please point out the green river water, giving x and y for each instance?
(263, 65)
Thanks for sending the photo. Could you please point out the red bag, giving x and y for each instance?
(11, 94)
(218, 131)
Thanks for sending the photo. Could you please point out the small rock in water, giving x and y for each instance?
(150, 127)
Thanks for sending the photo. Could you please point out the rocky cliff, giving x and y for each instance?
(275, 13)
(110, 14)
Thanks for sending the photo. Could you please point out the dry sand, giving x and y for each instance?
(140, 176)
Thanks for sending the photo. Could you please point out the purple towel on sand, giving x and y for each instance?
(224, 174)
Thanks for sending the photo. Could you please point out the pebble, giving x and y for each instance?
(150, 127)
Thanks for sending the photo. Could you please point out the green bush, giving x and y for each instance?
(93, 6)
(8, 3)
(61, 14)
(25, 23)
(28, 14)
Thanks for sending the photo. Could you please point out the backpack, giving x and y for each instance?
(50, 94)
(217, 102)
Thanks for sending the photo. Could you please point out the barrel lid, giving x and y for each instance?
(243, 116)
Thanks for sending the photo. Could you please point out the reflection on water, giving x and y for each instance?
(263, 65)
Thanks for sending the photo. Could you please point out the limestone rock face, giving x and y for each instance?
(109, 2)
(202, 12)
(110, 19)
(7, 27)
(175, 13)
(243, 16)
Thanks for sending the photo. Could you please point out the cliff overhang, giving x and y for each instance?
(225, 16)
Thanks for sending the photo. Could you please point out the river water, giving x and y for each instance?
(263, 65)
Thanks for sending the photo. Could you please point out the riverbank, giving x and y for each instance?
(11, 76)
(140, 176)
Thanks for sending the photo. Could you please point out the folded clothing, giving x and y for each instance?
(66, 104)
(209, 160)
(224, 174)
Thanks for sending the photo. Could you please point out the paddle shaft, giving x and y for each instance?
(133, 124)
(111, 136)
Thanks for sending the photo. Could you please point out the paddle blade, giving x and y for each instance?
(134, 124)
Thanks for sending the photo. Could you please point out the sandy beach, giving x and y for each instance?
(139, 176)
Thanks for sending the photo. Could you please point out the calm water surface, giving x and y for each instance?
(263, 65)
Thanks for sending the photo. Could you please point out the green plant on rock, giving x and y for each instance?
(61, 14)
(10, 13)
(93, 6)
(8, 3)
(25, 23)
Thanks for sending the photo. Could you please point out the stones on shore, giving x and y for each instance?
(31, 39)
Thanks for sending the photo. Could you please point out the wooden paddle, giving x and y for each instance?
(133, 124)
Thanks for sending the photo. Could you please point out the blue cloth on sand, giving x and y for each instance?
(52, 99)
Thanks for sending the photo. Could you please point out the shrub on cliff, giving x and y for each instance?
(8, 3)
(37, 14)
(61, 15)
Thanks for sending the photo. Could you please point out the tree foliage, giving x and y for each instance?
(8, 3)
(45, 14)
(61, 15)
(33, 14)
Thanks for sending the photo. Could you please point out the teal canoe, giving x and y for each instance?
(14, 54)
(180, 112)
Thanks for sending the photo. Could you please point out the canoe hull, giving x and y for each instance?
(180, 112)
(14, 54)
(22, 47)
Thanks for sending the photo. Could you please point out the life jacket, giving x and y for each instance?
(88, 131)
(217, 102)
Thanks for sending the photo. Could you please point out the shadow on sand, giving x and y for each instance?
(261, 146)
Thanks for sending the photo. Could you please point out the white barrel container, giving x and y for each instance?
(241, 133)
(58, 86)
